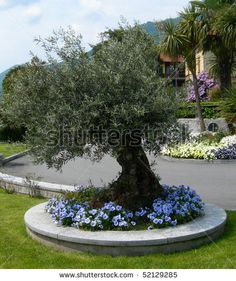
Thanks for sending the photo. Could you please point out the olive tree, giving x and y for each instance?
(76, 105)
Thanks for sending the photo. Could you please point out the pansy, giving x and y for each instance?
(178, 205)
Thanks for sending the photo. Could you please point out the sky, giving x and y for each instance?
(23, 20)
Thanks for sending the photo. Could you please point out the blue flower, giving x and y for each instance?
(105, 217)
(167, 219)
(158, 221)
(181, 202)
(174, 223)
(118, 207)
(93, 212)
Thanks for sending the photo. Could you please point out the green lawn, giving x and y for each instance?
(17, 250)
(8, 149)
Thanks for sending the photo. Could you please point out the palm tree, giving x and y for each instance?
(185, 39)
(218, 21)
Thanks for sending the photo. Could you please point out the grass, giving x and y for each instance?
(19, 251)
(8, 149)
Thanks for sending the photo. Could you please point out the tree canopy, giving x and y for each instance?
(218, 24)
(75, 105)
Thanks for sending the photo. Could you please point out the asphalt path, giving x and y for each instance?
(215, 182)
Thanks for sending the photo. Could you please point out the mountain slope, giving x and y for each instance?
(152, 29)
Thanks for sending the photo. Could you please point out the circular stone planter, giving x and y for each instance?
(200, 231)
(198, 161)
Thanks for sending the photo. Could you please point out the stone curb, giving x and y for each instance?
(14, 156)
(21, 185)
(173, 239)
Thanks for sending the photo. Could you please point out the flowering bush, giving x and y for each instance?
(227, 149)
(190, 150)
(224, 149)
(204, 84)
(178, 205)
(229, 140)
(228, 152)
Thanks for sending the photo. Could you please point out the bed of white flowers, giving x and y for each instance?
(225, 149)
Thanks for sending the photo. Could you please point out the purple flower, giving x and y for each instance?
(204, 84)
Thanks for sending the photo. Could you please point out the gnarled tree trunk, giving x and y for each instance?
(137, 186)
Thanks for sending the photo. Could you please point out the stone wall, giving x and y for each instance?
(193, 124)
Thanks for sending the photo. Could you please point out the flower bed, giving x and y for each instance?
(225, 149)
(178, 205)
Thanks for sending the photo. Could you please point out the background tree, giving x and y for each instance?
(218, 21)
(115, 99)
(9, 130)
(184, 39)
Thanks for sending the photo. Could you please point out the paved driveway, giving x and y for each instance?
(216, 183)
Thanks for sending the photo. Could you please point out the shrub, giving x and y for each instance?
(204, 147)
(215, 93)
(209, 110)
(12, 134)
(83, 194)
(228, 152)
(190, 150)
(178, 205)
(228, 106)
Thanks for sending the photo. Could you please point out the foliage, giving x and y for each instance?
(178, 205)
(118, 90)
(205, 83)
(228, 107)
(11, 129)
(11, 134)
(83, 194)
(75, 105)
(218, 28)
(209, 110)
(215, 94)
(203, 148)
(214, 138)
